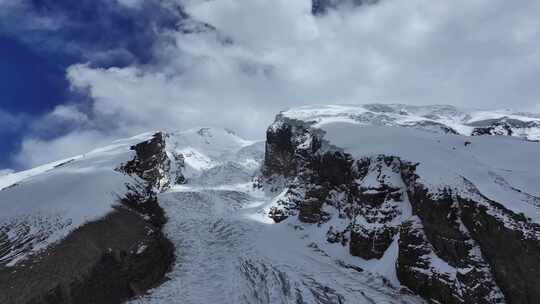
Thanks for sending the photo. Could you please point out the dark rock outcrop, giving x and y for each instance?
(106, 261)
(150, 163)
(513, 254)
(450, 249)
(414, 269)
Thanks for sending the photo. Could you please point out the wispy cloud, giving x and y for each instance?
(10, 122)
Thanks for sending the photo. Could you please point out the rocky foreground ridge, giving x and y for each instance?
(108, 260)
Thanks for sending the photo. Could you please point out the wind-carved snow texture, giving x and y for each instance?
(228, 249)
(21, 235)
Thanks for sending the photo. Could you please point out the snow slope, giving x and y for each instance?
(41, 206)
(228, 253)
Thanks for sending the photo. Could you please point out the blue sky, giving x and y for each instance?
(76, 75)
(31, 84)
(34, 55)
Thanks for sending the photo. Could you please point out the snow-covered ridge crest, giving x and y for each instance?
(436, 118)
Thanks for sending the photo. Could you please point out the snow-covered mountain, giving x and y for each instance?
(457, 217)
(341, 204)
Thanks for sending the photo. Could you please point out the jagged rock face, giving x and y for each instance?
(415, 272)
(451, 248)
(513, 255)
(151, 162)
(444, 237)
(153, 166)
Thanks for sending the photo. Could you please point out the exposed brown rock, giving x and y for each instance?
(100, 262)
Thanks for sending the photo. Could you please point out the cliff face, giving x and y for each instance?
(454, 245)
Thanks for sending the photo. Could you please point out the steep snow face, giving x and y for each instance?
(42, 205)
(438, 118)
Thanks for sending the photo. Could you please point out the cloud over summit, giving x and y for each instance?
(236, 63)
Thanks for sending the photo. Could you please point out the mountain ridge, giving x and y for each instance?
(391, 208)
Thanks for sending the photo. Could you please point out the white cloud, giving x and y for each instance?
(62, 117)
(35, 151)
(11, 122)
(6, 171)
(474, 53)
(68, 113)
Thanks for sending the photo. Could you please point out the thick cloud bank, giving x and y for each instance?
(235, 63)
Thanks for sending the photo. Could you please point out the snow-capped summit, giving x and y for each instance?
(436, 118)
(203, 149)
